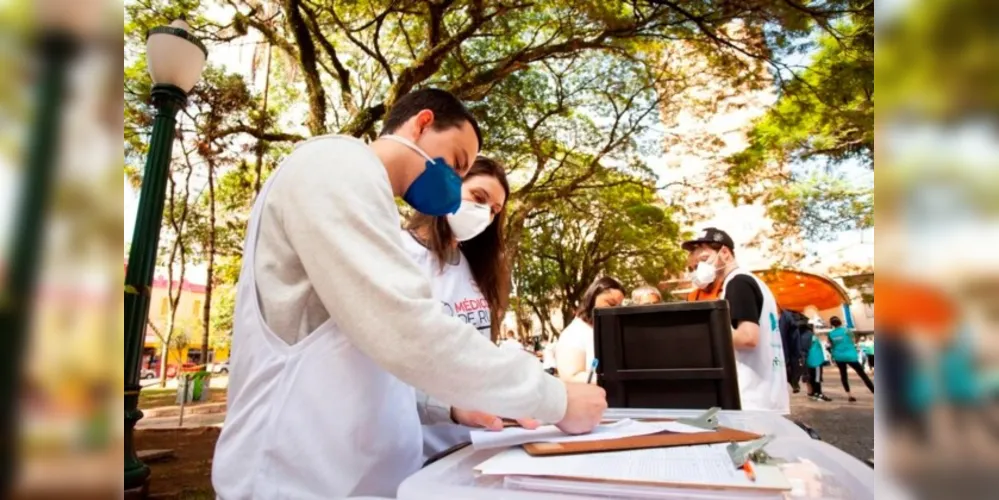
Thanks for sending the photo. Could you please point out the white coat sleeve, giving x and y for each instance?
(344, 226)
(432, 411)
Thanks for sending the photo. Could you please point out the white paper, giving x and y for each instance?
(513, 436)
(704, 465)
(678, 428)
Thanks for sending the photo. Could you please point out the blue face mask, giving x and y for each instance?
(437, 191)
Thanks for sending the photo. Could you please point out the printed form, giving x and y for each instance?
(702, 465)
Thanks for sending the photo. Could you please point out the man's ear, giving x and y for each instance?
(424, 119)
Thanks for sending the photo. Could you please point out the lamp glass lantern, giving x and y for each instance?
(174, 56)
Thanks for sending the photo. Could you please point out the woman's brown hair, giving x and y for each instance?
(485, 253)
(589, 302)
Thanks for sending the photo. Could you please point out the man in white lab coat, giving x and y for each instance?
(334, 322)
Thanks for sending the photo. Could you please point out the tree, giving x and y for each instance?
(621, 230)
(565, 91)
(824, 114)
(214, 108)
(174, 248)
(369, 53)
(178, 343)
(222, 316)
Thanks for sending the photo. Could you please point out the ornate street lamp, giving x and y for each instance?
(175, 59)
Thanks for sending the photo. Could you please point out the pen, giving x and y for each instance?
(593, 369)
(750, 472)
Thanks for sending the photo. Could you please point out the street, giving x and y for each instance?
(847, 426)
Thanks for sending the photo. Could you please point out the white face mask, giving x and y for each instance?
(471, 219)
(704, 275)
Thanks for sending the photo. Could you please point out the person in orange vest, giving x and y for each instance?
(759, 350)
(699, 294)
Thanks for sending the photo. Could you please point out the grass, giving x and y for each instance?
(156, 397)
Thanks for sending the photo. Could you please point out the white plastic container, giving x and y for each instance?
(816, 470)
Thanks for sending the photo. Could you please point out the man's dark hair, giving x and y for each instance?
(718, 246)
(448, 111)
(835, 322)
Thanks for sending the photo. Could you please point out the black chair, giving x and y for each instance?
(675, 355)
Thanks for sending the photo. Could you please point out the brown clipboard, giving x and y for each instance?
(661, 440)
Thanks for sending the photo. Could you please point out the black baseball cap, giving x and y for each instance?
(710, 235)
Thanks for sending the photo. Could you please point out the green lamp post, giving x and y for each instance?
(175, 59)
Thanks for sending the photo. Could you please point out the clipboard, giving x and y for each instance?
(662, 440)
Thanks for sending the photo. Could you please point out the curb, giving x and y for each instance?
(174, 411)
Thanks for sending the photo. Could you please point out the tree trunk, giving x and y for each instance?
(567, 315)
(177, 248)
(206, 315)
(364, 121)
(261, 144)
(173, 301)
(307, 58)
(164, 358)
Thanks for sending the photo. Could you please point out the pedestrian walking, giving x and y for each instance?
(844, 353)
(814, 361)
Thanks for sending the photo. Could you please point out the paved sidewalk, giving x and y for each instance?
(847, 426)
(191, 409)
(168, 417)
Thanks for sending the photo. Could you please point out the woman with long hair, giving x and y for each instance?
(464, 256)
(469, 245)
(574, 350)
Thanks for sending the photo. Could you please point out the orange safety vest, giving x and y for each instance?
(698, 295)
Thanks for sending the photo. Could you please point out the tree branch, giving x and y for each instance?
(268, 32)
(259, 134)
(307, 58)
(349, 33)
(342, 73)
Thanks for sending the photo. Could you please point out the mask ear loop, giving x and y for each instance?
(408, 143)
(724, 267)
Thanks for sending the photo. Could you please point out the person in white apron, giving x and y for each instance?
(464, 257)
(759, 351)
(335, 324)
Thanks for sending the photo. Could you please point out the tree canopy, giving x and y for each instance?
(824, 115)
(621, 230)
(566, 92)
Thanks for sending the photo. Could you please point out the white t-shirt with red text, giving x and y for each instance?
(459, 296)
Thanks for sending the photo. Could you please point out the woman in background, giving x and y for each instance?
(574, 350)
(844, 353)
(464, 257)
(813, 362)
